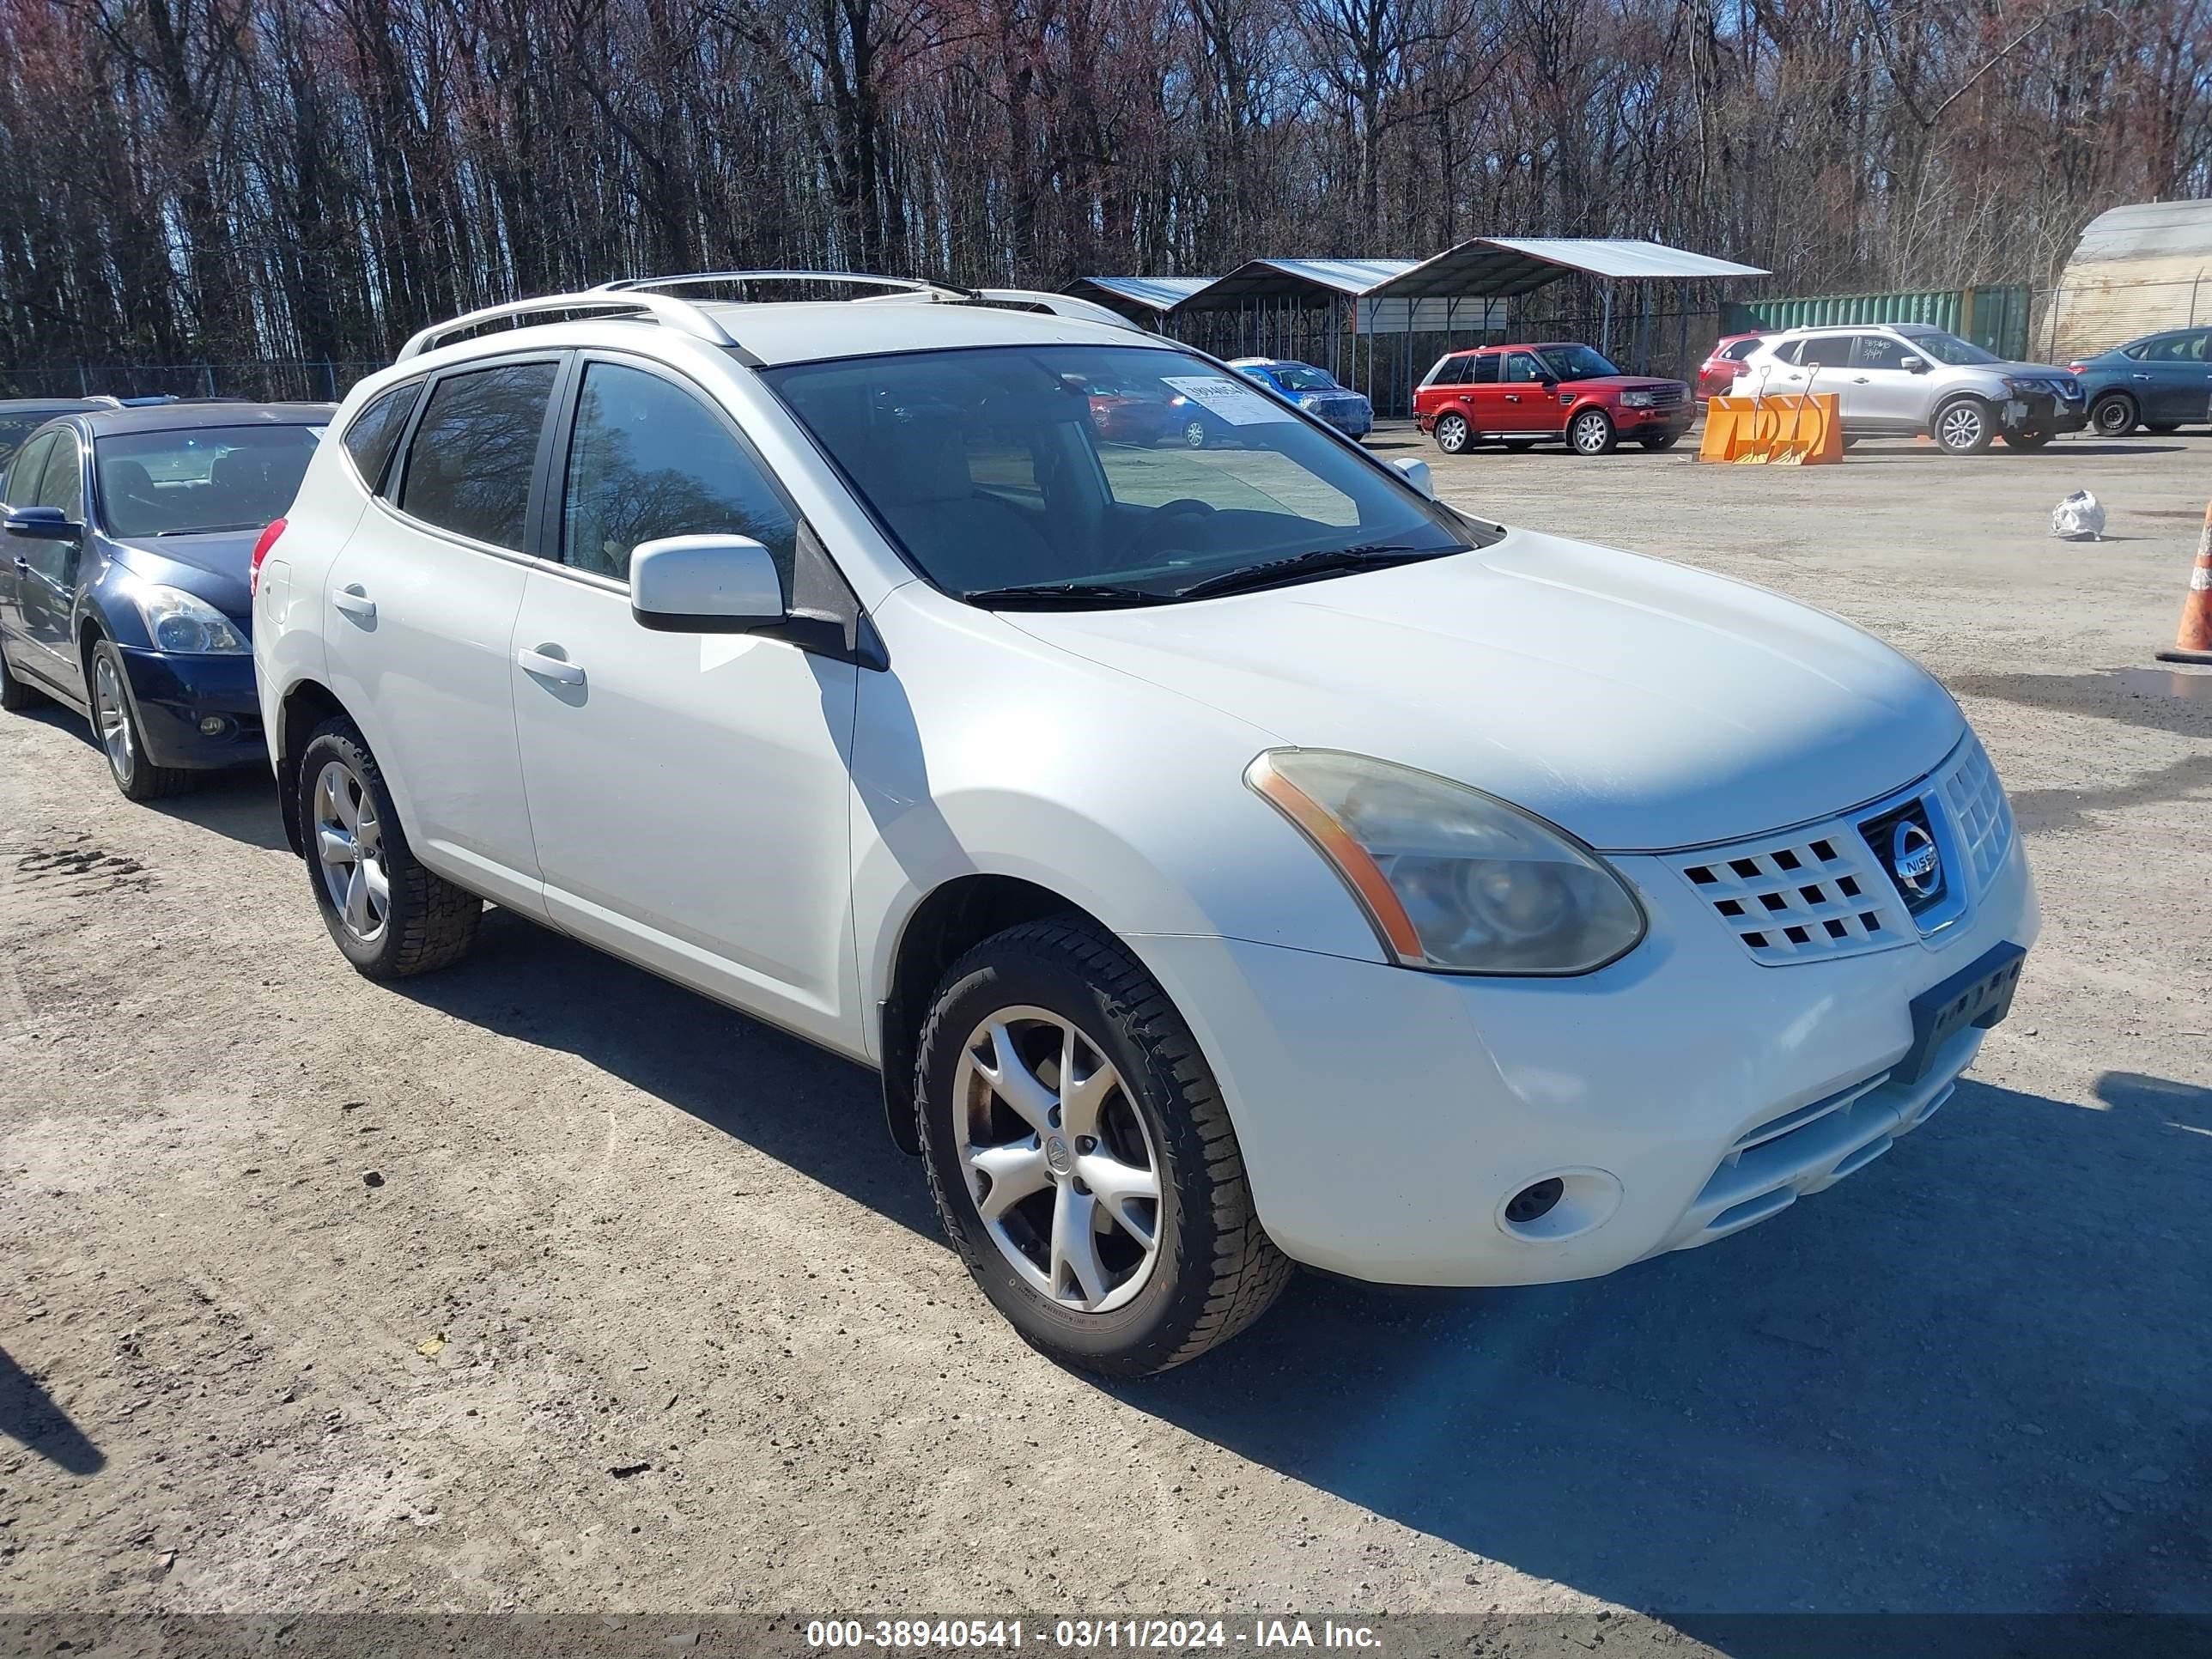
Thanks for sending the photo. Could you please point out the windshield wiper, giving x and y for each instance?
(1361, 555)
(206, 528)
(1068, 596)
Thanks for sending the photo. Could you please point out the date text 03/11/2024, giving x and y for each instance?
(1150, 1635)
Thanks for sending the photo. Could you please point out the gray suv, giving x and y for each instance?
(1899, 379)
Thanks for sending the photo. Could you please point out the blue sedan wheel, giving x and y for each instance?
(115, 718)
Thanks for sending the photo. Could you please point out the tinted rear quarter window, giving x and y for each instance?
(469, 467)
(374, 433)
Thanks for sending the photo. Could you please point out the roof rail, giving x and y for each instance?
(679, 314)
(901, 285)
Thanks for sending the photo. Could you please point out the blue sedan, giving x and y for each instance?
(123, 577)
(2161, 381)
(1314, 390)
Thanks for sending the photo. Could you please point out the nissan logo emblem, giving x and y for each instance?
(1914, 860)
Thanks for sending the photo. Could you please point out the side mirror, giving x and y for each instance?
(1913, 365)
(1417, 474)
(42, 523)
(705, 585)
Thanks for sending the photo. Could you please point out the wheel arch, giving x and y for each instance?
(303, 708)
(951, 919)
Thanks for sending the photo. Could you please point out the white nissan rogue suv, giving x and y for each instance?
(1229, 857)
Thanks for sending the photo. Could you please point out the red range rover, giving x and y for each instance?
(1529, 394)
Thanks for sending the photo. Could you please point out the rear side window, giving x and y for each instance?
(1741, 349)
(650, 459)
(1483, 370)
(469, 467)
(375, 431)
(1827, 351)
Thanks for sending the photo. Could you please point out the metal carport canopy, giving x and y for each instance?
(1309, 283)
(1500, 267)
(1134, 295)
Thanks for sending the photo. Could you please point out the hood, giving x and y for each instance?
(212, 565)
(1639, 704)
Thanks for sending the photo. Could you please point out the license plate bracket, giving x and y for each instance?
(1979, 994)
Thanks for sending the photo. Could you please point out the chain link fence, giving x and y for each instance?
(267, 381)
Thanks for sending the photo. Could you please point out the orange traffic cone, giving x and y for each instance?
(2193, 643)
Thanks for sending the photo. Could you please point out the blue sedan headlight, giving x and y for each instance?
(186, 624)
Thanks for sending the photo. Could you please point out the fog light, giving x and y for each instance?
(213, 726)
(1532, 1203)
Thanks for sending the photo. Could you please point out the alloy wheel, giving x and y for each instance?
(1451, 435)
(1194, 435)
(350, 852)
(111, 714)
(1961, 427)
(1590, 432)
(1059, 1164)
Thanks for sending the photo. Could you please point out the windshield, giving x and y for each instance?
(1949, 348)
(1574, 362)
(1298, 377)
(200, 478)
(986, 466)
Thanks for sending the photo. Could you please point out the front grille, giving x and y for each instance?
(1668, 396)
(1979, 813)
(1820, 892)
(1797, 897)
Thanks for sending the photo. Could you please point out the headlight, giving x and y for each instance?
(184, 622)
(1452, 878)
(1638, 400)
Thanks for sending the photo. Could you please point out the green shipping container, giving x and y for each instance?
(1995, 318)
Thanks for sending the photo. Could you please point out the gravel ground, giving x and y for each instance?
(543, 1284)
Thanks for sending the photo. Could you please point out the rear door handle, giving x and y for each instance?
(2139, 377)
(22, 566)
(1858, 380)
(355, 603)
(548, 668)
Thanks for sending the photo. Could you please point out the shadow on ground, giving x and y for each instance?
(1973, 1377)
(29, 1415)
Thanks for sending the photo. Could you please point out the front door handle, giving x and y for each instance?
(22, 566)
(1512, 397)
(548, 668)
(2139, 377)
(1858, 380)
(353, 602)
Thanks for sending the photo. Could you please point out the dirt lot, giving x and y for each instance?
(544, 1284)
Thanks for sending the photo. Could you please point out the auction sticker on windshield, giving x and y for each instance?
(1239, 405)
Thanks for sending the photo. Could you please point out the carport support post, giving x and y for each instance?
(1604, 327)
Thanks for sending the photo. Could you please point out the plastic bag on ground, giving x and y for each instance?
(2079, 517)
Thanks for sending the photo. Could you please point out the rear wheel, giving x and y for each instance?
(1453, 435)
(13, 694)
(1963, 426)
(1591, 433)
(115, 719)
(1081, 1158)
(1193, 434)
(390, 917)
(2114, 414)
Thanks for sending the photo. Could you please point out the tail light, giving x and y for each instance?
(2077, 368)
(260, 552)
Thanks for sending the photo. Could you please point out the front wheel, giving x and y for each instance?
(1081, 1158)
(2027, 438)
(1454, 436)
(1591, 433)
(1963, 426)
(1193, 434)
(390, 917)
(115, 720)
(2114, 414)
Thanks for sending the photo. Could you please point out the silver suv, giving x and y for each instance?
(1899, 379)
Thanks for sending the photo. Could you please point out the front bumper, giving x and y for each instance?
(1646, 422)
(2045, 414)
(175, 695)
(1385, 1117)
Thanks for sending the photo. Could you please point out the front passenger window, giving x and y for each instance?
(649, 459)
(469, 467)
(1880, 351)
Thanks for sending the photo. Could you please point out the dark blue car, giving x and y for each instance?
(123, 577)
(2162, 381)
